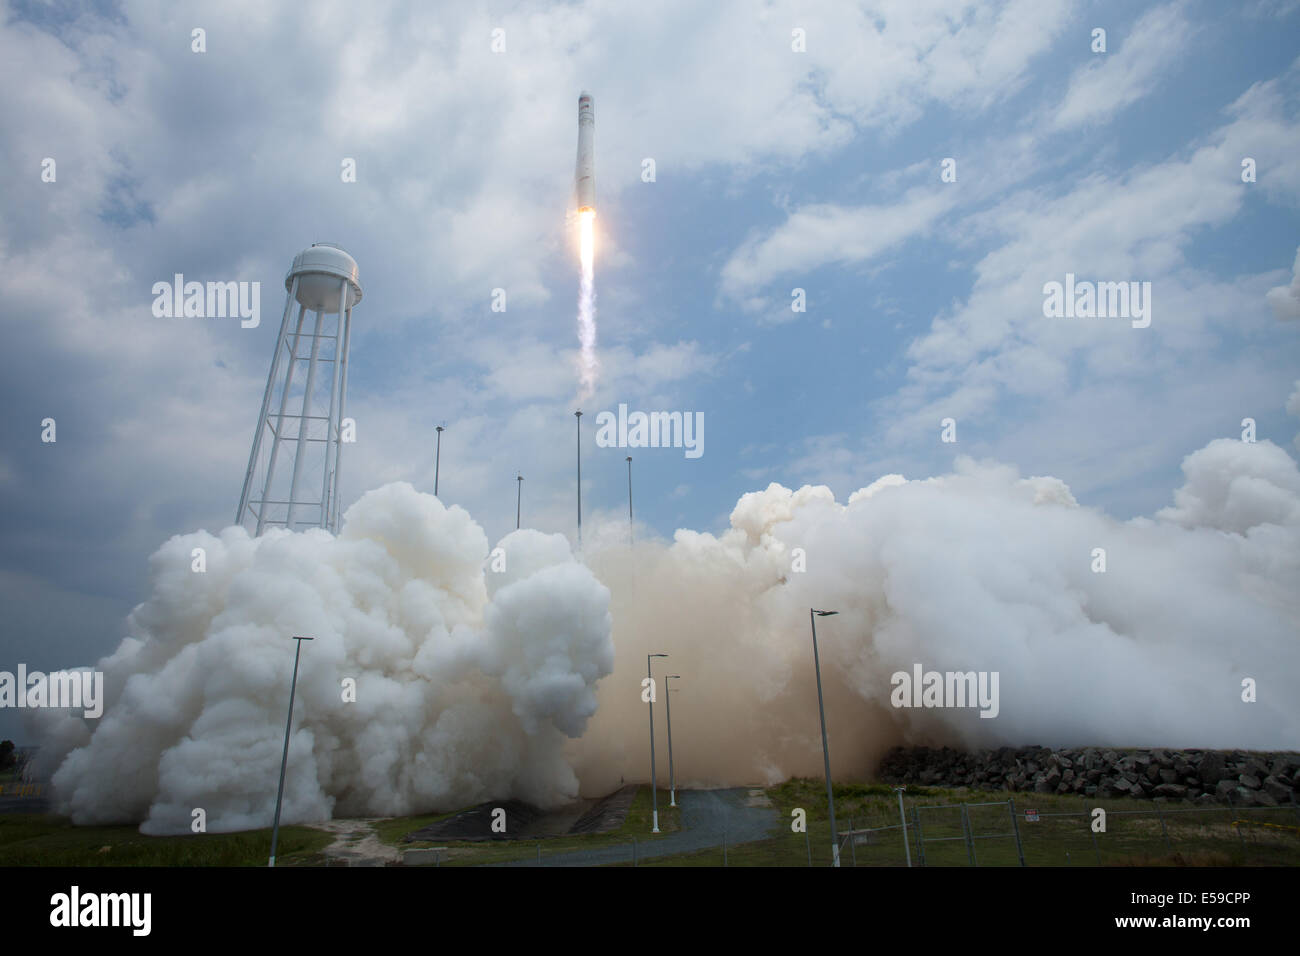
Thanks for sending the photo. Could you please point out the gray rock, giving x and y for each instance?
(1171, 790)
(1153, 773)
(1210, 769)
(1277, 790)
(1225, 789)
(1247, 780)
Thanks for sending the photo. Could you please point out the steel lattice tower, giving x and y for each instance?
(307, 419)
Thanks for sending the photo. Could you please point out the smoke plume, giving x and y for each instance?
(476, 680)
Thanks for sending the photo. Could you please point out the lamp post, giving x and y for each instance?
(629, 501)
(284, 760)
(902, 818)
(437, 460)
(654, 796)
(813, 614)
(672, 777)
(519, 499)
(578, 417)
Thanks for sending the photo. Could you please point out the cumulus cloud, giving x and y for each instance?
(1285, 299)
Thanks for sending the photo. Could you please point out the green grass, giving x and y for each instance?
(48, 840)
(1200, 837)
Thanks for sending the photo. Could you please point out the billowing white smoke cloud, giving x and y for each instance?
(974, 571)
(475, 685)
(461, 695)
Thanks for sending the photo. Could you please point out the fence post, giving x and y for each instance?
(808, 843)
(634, 851)
(853, 843)
(970, 842)
(920, 837)
(1235, 822)
(1165, 830)
(1015, 826)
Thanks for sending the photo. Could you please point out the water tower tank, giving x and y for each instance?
(319, 269)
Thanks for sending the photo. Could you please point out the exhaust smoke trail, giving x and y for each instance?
(587, 363)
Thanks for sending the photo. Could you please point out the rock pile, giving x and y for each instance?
(1222, 776)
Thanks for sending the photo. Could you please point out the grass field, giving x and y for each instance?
(28, 839)
(1178, 835)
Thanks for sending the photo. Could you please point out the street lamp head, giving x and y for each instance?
(629, 457)
(656, 655)
(673, 677)
(823, 613)
(437, 428)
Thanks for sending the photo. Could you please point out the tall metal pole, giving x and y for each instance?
(519, 499)
(826, 750)
(629, 501)
(284, 760)
(437, 460)
(672, 777)
(902, 818)
(578, 416)
(654, 795)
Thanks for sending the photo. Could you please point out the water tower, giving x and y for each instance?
(303, 421)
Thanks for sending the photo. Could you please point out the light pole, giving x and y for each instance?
(284, 760)
(578, 417)
(902, 818)
(813, 614)
(519, 499)
(654, 796)
(629, 500)
(437, 460)
(668, 702)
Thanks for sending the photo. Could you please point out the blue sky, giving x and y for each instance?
(775, 170)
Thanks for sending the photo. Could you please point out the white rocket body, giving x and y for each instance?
(585, 177)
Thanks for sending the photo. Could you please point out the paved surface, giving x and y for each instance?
(706, 816)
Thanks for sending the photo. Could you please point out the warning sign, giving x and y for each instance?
(1031, 816)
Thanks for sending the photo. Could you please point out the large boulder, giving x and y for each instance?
(1211, 768)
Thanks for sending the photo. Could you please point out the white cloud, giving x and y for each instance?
(1120, 77)
(1285, 299)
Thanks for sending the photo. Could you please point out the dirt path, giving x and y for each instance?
(356, 844)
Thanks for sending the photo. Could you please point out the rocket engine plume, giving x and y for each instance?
(585, 194)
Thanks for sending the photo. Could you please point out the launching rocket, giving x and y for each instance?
(585, 177)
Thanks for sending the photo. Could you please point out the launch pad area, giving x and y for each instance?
(517, 820)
